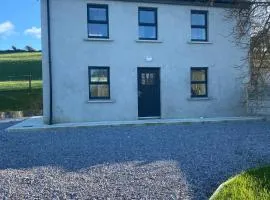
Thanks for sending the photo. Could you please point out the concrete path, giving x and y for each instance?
(36, 123)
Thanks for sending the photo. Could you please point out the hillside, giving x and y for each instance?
(20, 64)
(16, 93)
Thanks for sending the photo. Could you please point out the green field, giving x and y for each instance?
(20, 64)
(20, 85)
(250, 185)
(15, 94)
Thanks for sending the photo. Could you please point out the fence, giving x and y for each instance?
(21, 93)
(24, 79)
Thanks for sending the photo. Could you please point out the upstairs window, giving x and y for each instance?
(199, 82)
(98, 21)
(99, 82)
(199, 25)
(148, 23)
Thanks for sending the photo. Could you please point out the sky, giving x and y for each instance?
(20, 24)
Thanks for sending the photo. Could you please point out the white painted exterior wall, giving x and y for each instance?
(72, 53)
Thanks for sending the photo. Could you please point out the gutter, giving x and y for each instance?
(50, 63)
(204, 3)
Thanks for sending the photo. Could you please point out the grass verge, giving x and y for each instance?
(250, 185)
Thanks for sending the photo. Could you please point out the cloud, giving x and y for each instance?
(34, 32)
(6, 29)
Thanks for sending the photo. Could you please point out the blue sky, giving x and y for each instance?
(20, 24)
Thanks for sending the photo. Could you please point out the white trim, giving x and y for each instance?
(148, 41)
(200, 98)
(199, 42)
(145, 118)
(101, 101)
(149, 66)
(98, 40)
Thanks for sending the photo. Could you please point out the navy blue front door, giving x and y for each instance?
(149, 92)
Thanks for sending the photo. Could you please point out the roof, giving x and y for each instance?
(215, 3)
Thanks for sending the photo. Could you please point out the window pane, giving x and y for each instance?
(99, 75)
(198, 19)
(198, 34)
(147, 16)
(198, 75)
(147, 32)
(148, 79)
(98, 14)
(198, 90)
(99, 91)
(98, 30)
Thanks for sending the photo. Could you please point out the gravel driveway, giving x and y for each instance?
(129, 162)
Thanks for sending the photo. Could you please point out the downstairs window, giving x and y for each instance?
(99, 83)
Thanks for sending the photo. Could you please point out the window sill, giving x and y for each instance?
(199, 42)
(199, 98)
(98, 40)
(101, 101)
(148, 41)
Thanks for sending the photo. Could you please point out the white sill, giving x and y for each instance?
(148, 41)
(199, 98)
(101, 101)
(98, 39)
(199, 42)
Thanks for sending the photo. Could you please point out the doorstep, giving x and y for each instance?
(36, 123)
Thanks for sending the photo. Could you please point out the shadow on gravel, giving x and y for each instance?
(207, 154)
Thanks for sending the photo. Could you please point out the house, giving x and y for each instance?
(111, 60)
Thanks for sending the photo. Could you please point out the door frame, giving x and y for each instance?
(149, 68)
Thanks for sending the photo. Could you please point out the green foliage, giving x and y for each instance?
(251, 185)
(20, 64)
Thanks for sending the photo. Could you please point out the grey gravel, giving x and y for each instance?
(129, 162)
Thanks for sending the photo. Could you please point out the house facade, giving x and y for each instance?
(115, 60)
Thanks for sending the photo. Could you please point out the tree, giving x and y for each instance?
(29, 48)
(253, 21)
(14, 48)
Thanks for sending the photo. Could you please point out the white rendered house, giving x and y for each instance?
(111, 60)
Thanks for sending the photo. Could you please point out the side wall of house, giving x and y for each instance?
(174, 54)
(45, 62)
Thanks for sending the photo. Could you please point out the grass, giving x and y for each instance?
(20, 64)
(14, 93)
(250, 185)
(15, 96)
(19, 85)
